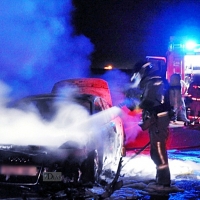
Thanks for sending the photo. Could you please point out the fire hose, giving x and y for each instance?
(115, 184)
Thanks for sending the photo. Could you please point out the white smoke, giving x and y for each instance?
(38, 48)
(72, 123)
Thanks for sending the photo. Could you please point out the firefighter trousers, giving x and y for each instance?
(158, 133)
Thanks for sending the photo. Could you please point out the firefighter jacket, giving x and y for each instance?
(155, 98)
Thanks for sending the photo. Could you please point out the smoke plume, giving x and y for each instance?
(38, 45)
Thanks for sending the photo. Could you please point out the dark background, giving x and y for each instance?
(124, 31)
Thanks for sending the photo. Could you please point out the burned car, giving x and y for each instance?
(82, 135)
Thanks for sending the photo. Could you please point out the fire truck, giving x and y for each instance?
(182, 57)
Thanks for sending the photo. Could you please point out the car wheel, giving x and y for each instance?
(91, 167)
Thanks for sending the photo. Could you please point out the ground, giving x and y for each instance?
(185, 170)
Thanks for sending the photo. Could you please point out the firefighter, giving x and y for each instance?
(194, 98)
(177, 91)
(156, 110)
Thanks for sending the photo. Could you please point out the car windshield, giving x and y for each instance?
(47, 106)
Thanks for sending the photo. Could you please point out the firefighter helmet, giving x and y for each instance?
(139, 69)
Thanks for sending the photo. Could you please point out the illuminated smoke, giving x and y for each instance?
(38, 45)
(119, 82)
(71, 123)
(4, 94)
(39, 48)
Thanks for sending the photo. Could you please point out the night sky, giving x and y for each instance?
(124, 31)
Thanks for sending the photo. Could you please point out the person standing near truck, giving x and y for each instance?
(177, 91)
(156, 111)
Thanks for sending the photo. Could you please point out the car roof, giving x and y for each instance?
(51, 95)
(92, 86)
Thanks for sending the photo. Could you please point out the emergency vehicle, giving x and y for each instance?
(182, 57)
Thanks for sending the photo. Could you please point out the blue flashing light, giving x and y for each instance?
(190, 45)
